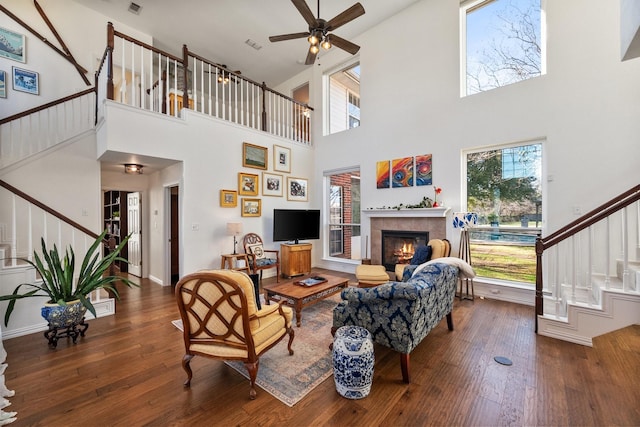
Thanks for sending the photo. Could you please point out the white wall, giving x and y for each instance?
(586, 108)
(210, 152)
(83, 31)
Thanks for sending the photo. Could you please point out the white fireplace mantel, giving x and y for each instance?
(413, 213)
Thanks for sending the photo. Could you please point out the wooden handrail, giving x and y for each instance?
(587, 220)
(47, 105)
(47, 209)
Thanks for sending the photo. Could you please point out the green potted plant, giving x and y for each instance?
(494, 219)
(68, 300)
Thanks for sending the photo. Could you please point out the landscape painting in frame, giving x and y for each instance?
(254, 156)
(402, 172)
(25, 81)
(12, 45)
(424, 174)
(382, 174)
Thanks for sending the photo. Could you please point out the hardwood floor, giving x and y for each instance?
(127, 372)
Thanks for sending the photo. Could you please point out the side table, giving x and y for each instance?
(228, 262)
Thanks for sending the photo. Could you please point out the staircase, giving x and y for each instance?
(591, 280)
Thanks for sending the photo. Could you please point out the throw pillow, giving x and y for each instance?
(421, 255)
(466, 271)
(257, 250)
(255, 278)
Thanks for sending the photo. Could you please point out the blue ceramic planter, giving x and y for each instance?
(63, 316)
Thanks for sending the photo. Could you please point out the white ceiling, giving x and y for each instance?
(217, 29)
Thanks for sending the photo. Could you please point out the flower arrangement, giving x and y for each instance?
(436, 190)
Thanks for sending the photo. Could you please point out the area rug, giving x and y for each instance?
(290, 378)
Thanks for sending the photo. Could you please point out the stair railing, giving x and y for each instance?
(132, 74)
(574, 251)
(29, 220)
(55, 122)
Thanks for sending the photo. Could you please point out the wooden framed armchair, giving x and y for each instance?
(259, 257)
(221, 321)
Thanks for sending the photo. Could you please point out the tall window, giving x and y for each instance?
(502, 43)
(504, 188)
(344, 213)
(344, 99)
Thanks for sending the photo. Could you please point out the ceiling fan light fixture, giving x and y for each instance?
(314, 49)
(313, 39)
(326, 44)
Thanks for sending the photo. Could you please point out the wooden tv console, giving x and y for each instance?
(295, 259)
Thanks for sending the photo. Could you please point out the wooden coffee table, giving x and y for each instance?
(298, 296)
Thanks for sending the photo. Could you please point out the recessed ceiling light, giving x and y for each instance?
(134, 8)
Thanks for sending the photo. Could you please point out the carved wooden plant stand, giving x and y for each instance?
(54, 333)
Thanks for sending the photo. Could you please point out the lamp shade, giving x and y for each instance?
(464, 219)
(234, 228)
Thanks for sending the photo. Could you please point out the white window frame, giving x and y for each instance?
(465, 6)
(326, 93)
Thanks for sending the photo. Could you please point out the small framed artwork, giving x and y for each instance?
(383, 173)
(254, 156)
(297, 189)
(272, 184)
(26, 81)
(3, 84)
(281, 159)
(13, 46)
(248, 184)
(251, 207)
(228, 198)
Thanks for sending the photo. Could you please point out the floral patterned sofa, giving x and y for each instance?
(400, 314)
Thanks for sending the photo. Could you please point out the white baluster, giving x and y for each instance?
(607, 257)
(589, 284)
(133, 75)
(625, 251)
(142, 93)
(574, 268)
(123, 80)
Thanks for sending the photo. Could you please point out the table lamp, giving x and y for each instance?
(234, 229)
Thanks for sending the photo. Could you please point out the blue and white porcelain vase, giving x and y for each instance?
(63, 316)
(353, 361)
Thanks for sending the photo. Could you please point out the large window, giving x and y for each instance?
(502, 43)
(504, 188)
(344, 99)
(344, 213)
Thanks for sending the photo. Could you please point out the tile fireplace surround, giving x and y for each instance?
(433, 220)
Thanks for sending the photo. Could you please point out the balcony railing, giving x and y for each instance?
(139, 75)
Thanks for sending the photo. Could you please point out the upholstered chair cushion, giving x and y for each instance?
(371, 275)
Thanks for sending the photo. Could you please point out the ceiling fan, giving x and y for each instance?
(319, 30)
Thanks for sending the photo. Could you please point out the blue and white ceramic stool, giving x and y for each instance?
(353, 362)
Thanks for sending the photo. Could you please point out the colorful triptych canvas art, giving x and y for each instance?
(403, 172)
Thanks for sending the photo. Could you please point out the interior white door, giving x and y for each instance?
(134, 244)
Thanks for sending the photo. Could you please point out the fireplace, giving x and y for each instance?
(398, 246)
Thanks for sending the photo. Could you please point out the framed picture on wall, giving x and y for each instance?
(272, 184)
(26, 81)
(297, 189)
(281, 159)
(251, 207)
(3, 84)
(228, 198)
(248, 184)
(13, 46)
(254, 156)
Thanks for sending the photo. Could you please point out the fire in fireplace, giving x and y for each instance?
(398, 246)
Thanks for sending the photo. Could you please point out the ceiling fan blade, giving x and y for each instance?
(288, 37)
(311, 58)
(304, 10)
(348, 15)
(343, 44)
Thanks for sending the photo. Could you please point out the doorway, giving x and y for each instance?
(174, 235)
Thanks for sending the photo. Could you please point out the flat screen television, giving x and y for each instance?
(293, 225)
